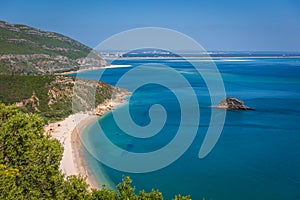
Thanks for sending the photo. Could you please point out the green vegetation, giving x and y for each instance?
(15, 88)
(29, 158)
(50, 96)
(21, 39)
(29, 165)
(26, 50)
(21, 88)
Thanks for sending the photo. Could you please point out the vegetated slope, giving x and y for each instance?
(27, 50)
(51, 96)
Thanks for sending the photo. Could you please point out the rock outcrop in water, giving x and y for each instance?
(232, 103)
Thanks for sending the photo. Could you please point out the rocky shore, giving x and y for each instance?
(109, 104)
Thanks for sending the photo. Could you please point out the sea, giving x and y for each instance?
(257, 155)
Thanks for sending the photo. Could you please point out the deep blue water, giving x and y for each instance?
(258, 153)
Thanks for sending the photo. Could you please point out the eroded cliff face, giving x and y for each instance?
(65, 95)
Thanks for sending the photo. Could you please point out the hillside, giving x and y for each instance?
(27, 50)
(51, 96)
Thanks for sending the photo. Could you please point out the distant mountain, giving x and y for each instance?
(27, 50)
(149, 52)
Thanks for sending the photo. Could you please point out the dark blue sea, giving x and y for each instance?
(258, 153)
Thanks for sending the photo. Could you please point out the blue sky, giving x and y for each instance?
(257, 25)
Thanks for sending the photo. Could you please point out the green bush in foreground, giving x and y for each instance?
(29, 165)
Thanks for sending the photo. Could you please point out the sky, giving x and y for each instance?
(227, 25)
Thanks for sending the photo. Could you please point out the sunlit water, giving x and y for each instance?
(258, 153)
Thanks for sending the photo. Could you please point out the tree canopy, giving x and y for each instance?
(29, 165)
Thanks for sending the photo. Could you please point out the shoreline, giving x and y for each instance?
(68, 132)
(81, 70)
(79, 160)
(93, 68)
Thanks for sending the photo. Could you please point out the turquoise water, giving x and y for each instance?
(257, 155)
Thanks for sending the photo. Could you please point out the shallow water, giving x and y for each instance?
(257, 155)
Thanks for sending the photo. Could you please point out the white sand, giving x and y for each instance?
(68, 131)
(95, 68)
(63, 131)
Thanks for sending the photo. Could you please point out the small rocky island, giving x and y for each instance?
(232, 103)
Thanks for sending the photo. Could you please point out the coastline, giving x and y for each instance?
(81, 70)
(79, 160)
(68, 132)
(94, 68)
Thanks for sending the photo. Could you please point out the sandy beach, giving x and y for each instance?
(79, 162)
(68, 133)
(94, 68)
